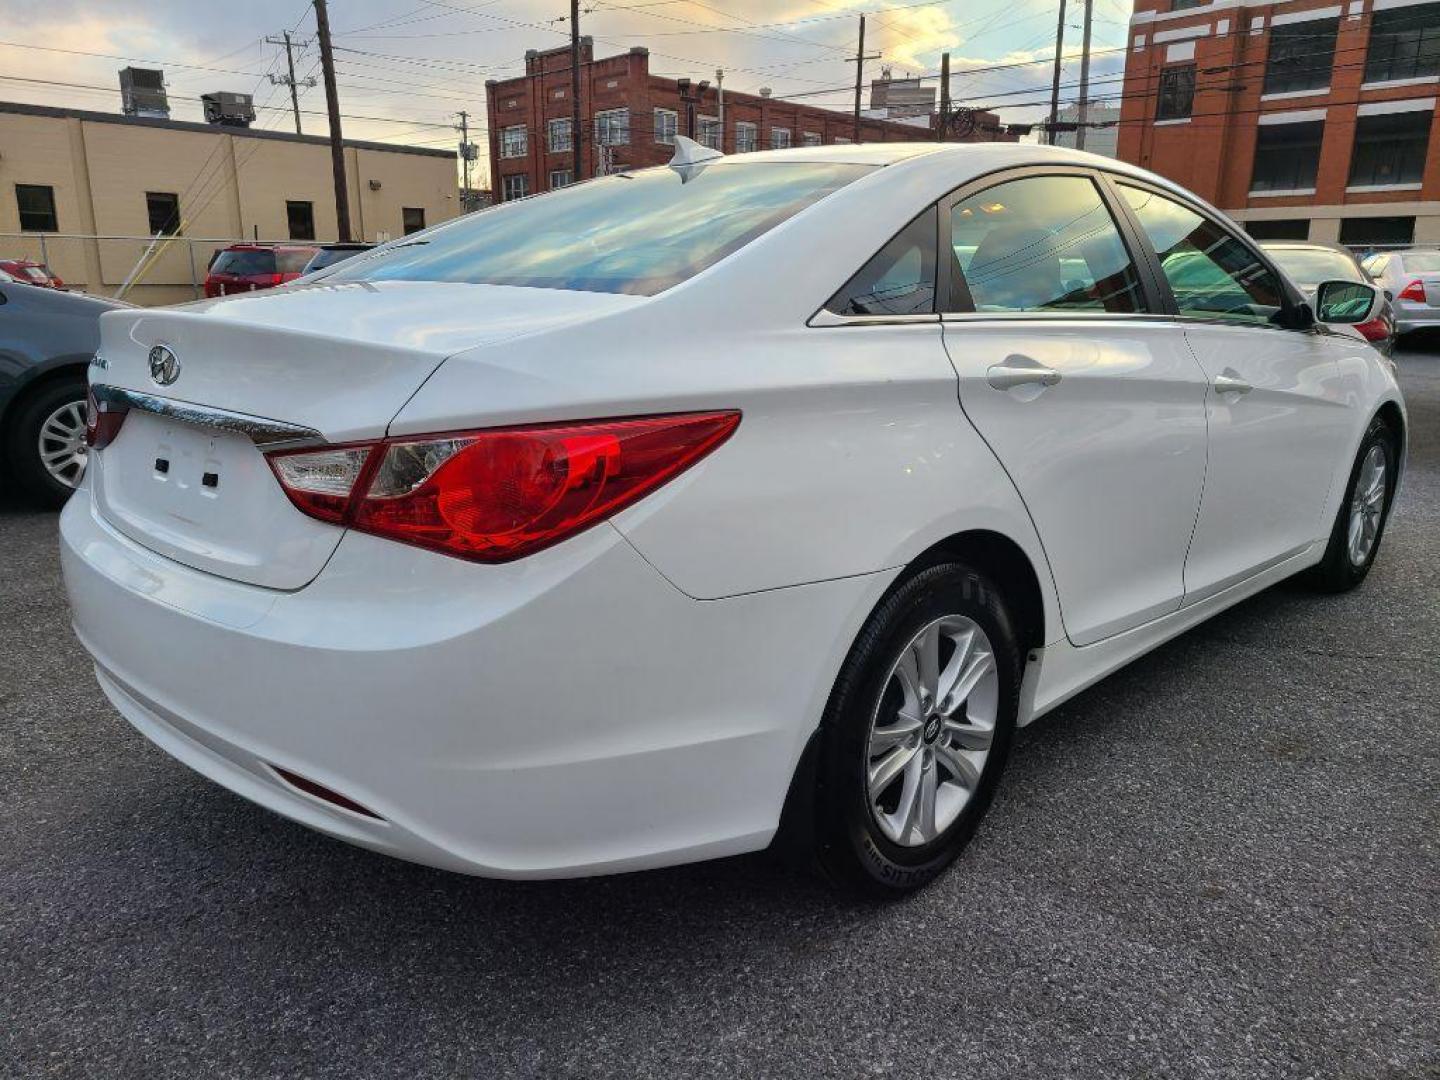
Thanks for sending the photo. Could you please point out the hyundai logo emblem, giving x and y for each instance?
(164, 366)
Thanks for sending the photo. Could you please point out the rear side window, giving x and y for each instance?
(1212, 274)
(1421, 262)
(899, 279)
(1043, 243)
(293, 260)
(245, 262)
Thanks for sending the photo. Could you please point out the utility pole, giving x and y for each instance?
(290, 80)
(1083, 117)
(576, 138)
(1055, 80)
(944, 96)
(467, 152)
(859, 62)
(720, 98)
(332, 108)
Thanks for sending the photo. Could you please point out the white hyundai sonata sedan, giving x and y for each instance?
(750, 497)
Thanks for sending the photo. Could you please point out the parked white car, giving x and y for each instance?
(612, 528)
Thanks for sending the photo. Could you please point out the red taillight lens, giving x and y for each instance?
(497, 495)
(1376, 329)
(1414, 291)
(102, 422)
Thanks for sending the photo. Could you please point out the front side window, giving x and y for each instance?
(1301, 56)
(300, 217)
(1287, 156)
(899, 280)
(512, 141)
(1212, 274)
(1177, 93)
(665, 126)
(163, 210)
(745, 137)
(557, 136)
(612, 127)
(779, 138)
(638, 232)
(1404, 43)
(1390, 149)
(515, 187)
(37, 208)
(1043, 243)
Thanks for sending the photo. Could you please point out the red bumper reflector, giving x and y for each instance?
(320, 791)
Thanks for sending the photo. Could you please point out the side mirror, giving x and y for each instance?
(1346, 303)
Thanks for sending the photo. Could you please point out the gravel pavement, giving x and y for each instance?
(1224, 861)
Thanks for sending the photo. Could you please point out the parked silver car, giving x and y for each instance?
(1309, 263)
(1412, 279)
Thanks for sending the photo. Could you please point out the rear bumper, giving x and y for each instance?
(569, 714)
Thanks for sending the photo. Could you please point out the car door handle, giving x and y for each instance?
(1226, 383)
(1020, 371)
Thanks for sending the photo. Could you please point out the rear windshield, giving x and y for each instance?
(244, 263)
(634, 233)
(330, 256)
(1311, 265)
(1421, 262)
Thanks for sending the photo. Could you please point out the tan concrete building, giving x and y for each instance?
(67, 175)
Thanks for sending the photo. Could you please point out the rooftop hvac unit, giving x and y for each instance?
(229, 110)
(142, 93)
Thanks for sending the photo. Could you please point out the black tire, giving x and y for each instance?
(22, 454)
(1337, 572)
(849, 845)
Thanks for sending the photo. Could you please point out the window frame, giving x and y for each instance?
(554, 145)
(752, 129)
(171, 225)
(1172, 69)
(509, 150)
(1274, 79)
(506, 178)
(670, 126)
(405, 226)
(290, 205)
(608, 119)
(1369, 72)
(1390, 141)
(49, 189)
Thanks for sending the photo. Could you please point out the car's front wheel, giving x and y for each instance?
(1360, 521)
(45, 447)
(917, 732)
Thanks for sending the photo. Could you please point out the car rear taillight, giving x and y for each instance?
(499, 494)
(1376, 329)
(102, 422)
(1414, 291)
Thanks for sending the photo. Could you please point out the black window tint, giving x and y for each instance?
(163, 210)
(1177, 93)
(1301, 56)
(37, 208)
(1044, 243)
(1212, 274)
(301, 218)
(899, 280)
(1404, 43)
(1390, 148)
(1287, 156)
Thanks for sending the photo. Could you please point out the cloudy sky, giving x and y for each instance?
(406, 66)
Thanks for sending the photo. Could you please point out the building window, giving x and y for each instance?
(812, 138)
(1301, 56)
(512, 142)
(1287, 156)
(1286, 229)
(163, 209)
(1377, 231)
(1181, 5)
(779, 138)
(612, 127)
(413, 218)
(665, 126)
(707, 131)
(559, 178)
(1404, 43)
(37, 208)
(301, 218)
(746, 138)
(1177, 93)
(1390, 149)
(515, 187)
(557, 135)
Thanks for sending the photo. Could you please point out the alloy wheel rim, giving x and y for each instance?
(1367, 506)
(62, 444)
(931, 732)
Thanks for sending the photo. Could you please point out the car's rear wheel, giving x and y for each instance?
(1360, 521)
(917, 732)
(46, 443)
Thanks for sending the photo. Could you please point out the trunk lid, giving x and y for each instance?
(339, 359)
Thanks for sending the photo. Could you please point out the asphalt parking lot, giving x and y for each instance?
(1222, 862)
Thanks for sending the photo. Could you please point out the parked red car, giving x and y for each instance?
(248, 267)
(31, 273)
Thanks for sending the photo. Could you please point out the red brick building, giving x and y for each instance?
(631, 117)
(1301, 118)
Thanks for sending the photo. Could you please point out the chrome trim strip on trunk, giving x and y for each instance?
(263, 432)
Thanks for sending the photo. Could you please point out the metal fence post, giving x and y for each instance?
(194, 277)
